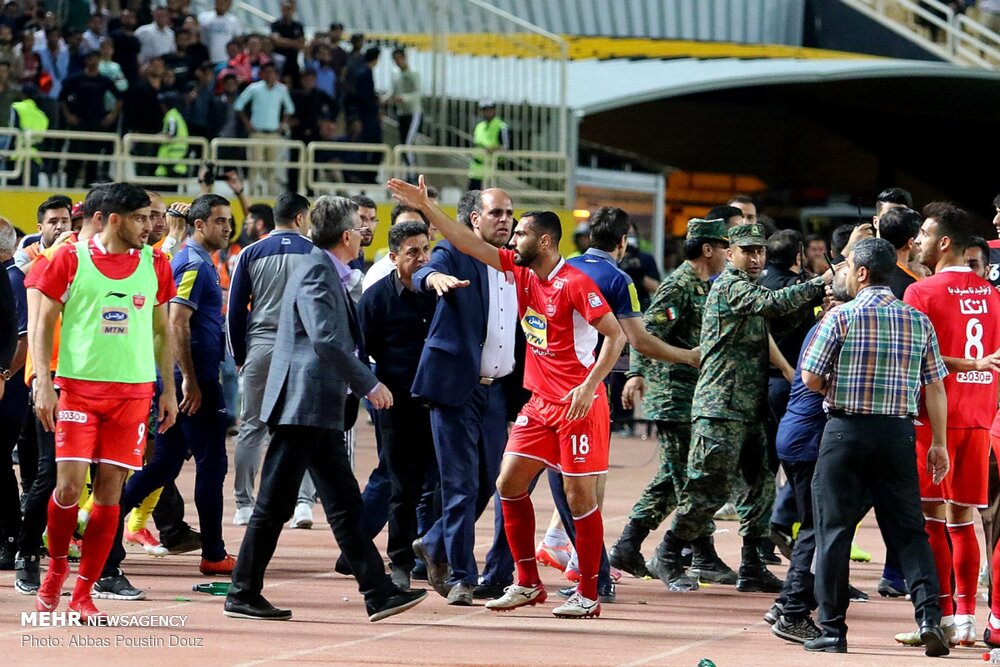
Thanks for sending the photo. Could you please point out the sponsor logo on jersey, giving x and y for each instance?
(117, 295)
(974, 377)
(522, 420)
(138, 300)
(973, 306)
(72, 416)
(535, 328)
(558, 283)
(114, 321)
(594, 300)
(981, 290)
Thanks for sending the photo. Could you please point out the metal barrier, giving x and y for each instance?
(67, 150)
(143, 166)
(333, 165)
(530, 176)
(262, 160)
(11, 158)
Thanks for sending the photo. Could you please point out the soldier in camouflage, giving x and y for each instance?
(728, 444)
(674, 316)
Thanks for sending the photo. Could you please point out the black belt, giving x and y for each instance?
(843, 414)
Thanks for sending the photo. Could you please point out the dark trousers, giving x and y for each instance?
(11, 421)
(408, 451)
(168, 515)
(785, 511)
(991, 517)
(469, 440)
(202, 435)
(36, 502)
(562, 506)
(871, 456)
(797, 593)
(27, 450)
(292, 450)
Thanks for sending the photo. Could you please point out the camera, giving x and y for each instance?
(212, 172)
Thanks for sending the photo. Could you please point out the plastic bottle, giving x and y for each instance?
(993, 657)
(705, 662)
(213, 588)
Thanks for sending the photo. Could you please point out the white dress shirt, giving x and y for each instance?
(498, 348)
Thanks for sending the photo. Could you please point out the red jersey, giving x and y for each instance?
(556, 316)
(965, 312)
(55, 283)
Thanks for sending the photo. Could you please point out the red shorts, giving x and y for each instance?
(102, 430)
(575, 448)
(967, 480)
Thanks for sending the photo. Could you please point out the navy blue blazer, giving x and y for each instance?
(449, 364)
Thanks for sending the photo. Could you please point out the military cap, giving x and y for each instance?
(747, 235)
(699, 228)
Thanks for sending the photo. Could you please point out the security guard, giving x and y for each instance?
(674, 316)
(171, 154)
(490, 135)
(728, 445)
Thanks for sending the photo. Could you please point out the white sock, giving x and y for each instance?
(555, 537)
(994, 622)
(947, 620)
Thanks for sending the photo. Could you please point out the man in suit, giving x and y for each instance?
(317, 359)
(470, 347)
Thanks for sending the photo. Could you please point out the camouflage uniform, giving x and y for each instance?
(674, 316)
(728, 444)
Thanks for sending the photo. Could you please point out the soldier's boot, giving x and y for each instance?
(625, 554)
(706, 564)
(665, 564)
(754, 575)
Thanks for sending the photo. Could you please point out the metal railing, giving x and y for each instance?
(965, 40)
(271, 166)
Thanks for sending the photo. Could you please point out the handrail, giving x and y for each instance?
(132, 140)
(13, 155)
(337, 169)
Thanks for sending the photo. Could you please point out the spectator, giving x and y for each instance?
(77, 51)
(29, 15)
(271, 107)
(354, 135)
(112, 70)
(231, 126)
(9, 93)
(144, 114)
(8, 15)
(179, 14)
(365, 102)
(94, 33)
(6, 43)
(267, 46)
(337, 52)
(288, 36)
(203, 112)
(27, 63)
(156, 38)
(746, 204)
(127, 46)
(218, 29)
(55, 60)
(311, 104)
(246, 64)
(489, 135)
(327, 75)
(356, 59)
(733, 215)
(405, 96)
(816, 251)
(82, 101)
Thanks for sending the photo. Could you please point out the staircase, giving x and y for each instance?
(935, 27)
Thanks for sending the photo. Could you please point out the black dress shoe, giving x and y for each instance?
(397, 602)
(935, 645)
(343, 567)
(260, 609)
(488, 591)
(827, 645)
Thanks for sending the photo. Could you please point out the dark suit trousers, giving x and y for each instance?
(469, 440)
(797, 593)
(859, 457)
(36, 502)
(292, 450)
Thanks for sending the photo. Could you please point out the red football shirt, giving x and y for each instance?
(57, 278)
(965, 312)
(556, 316)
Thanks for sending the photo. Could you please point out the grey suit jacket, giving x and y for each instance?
(314, 363)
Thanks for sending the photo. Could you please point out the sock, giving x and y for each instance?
(96, 546)
(61, 524)
(937, 534)
(589, 541)
(965, 560)
(137, 519)
(995, 570)
(555, 537)
(519, 524)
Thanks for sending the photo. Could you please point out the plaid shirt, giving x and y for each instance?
(874, 350)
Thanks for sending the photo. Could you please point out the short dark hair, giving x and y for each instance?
(469, 202)
(996, 201)
(432, 192)
(952, 221)
(897, 196)
(740, 199)
(899, 225)
(288, 206)
(694, 248)
(607, 227)
(93, 203)
(265, 213)
(840, 236)
(123, 198)
(814, 237)
(201, 207)
(399, 51)
(546, 222)
(54, 202)
(363, 201)
(724, 212)
(783, 248)
(981, 243)
(402, 231)
(399, 209)
(336, 26)
(372, 54)
(876, 255)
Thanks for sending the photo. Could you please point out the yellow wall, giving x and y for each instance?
(20, 208)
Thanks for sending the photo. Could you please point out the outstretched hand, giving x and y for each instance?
(407, 194)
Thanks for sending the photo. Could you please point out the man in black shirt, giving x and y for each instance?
(82, 99)
(395, 320)
(288, 36)
(899, 226)
(126, 45)
(311, 104)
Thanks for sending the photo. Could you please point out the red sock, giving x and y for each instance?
(995, 581)
(965, 560)
(519, 524)
(937, 534)
(96, 546)
(61, 523)
(589, 540)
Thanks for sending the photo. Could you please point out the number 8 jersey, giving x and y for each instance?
(965, 312)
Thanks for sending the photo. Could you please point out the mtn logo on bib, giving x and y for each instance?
(114, 321)
(536, 329)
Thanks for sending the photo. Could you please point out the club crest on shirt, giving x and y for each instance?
(550, 309)
(138, 300)
(535, 328)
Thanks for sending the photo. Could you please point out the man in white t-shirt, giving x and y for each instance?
(218, 28)
(156, 39)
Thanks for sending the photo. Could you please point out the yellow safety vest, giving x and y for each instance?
(30, 117)
(486, 135)
(175, 150)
